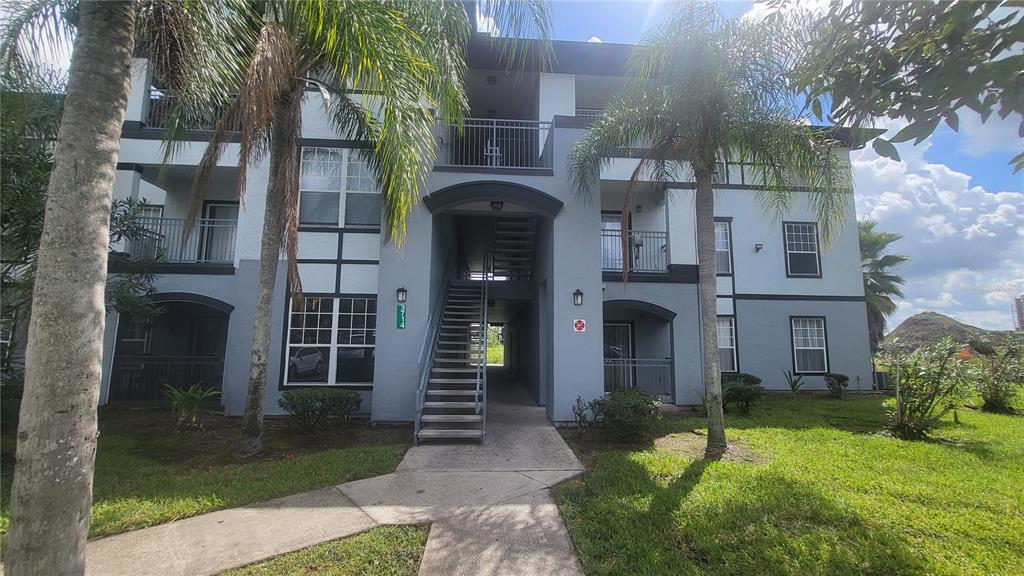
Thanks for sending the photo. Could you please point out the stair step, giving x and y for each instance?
(451, 392)
(452, 380)
(451, 361)
(451, 418)
(454, 370)
(439, 433)
(450, 404)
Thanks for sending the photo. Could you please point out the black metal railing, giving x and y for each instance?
(211, 241)
(647, 250)
(491, 143)
(143, 378)
(652, 375)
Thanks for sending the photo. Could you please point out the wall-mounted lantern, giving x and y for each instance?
(401, 294)
(577, 297)
(758, 247)
(497, 205)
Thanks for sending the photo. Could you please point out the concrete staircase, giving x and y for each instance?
(514, 246)
(453, 405)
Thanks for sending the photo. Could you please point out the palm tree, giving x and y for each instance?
(880, 284)
(409, 55)
(701, 89)
(51, 491)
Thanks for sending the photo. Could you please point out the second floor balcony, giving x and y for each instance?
(211, 241)
(646, 250)
(488, 143)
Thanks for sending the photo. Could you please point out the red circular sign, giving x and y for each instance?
(579, 325)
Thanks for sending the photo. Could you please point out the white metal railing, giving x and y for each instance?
(491, 143)
(647, 250)
(429, 346)
(652, 375)
(162, 101)
(210, 241)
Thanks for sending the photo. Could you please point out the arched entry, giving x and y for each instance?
(183, 345)
(638, 347)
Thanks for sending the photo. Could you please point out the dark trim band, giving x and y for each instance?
(797, 297)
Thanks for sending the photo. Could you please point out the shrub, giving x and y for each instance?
(311, 409)
(11, 389)
(794, 381)
(579, 411)
(629, 415)
(186, 404)
(1000, 377)
(836, 382)
(742, 390)
(930, 383)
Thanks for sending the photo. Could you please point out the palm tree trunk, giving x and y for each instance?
(51, 493)
(270, 253)
(708, 297)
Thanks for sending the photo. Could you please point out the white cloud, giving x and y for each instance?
(595, 40)
(997, 134)
(966, 243)
(486, 24)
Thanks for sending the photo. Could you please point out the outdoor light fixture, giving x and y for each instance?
(758, 247)
(497, 205)
(401, 294)
(577, 297)
(639, 209)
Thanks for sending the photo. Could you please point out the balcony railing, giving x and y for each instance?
(142, 378)
(162, 101)
(647, 250)
(210, 241)
(490, 143)
(652, 375)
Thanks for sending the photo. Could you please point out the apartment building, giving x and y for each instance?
(500, 237)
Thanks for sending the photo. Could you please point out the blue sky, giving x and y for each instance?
(954, 198)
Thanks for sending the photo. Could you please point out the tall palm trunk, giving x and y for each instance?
(283, 137)
(708, 296)
(51, 493)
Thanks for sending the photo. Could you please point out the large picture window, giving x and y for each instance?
(727, 360)
(723, 248)
(810, 354)
(331, 340)
(802, 258)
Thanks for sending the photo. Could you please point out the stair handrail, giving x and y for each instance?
(481, 379)
(429, 346)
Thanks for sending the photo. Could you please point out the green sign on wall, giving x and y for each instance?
(400, 317)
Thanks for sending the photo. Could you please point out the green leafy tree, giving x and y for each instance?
(408, 54)
(880, 284)
(700, 89)
(919, 61)
(51, 492)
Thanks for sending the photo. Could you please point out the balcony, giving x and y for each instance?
(162, 101)
(211, 241)
(488, 144)
(647, 251)
(652, 375)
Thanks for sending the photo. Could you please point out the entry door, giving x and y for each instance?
(611, 242)
(618, 356)
(217, 243)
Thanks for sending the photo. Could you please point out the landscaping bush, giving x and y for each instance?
(311, 409)
(186, 404)
(628, 415)
(794, 381)
(10, 400)
(836, 382)
(1000, 377)
(931, 382)
(742, 390)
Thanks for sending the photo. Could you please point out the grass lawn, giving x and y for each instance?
(147, 474)
(811, 486)
(383, 551)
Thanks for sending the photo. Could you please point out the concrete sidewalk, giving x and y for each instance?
(489, 505)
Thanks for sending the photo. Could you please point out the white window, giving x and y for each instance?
(802, 249)
(359, 178)
(331, 340)
(320, 183)
(723, 248)
(810, 354)
(727, 344)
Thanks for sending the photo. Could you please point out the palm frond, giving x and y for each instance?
(34, 32)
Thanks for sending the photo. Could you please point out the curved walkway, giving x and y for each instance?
(489, 505)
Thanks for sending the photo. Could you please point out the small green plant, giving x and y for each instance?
(795, 381)
(628, 415)
(1000, 377)
(930, 383)
(742, 390)
(312, 409)
(186, 404)
(836, 382)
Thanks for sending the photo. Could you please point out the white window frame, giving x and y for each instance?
(339, 191)
(794, 336)
(363, 183)
(802, 247)
(723, 245)
(732, 339)
(333, 345)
